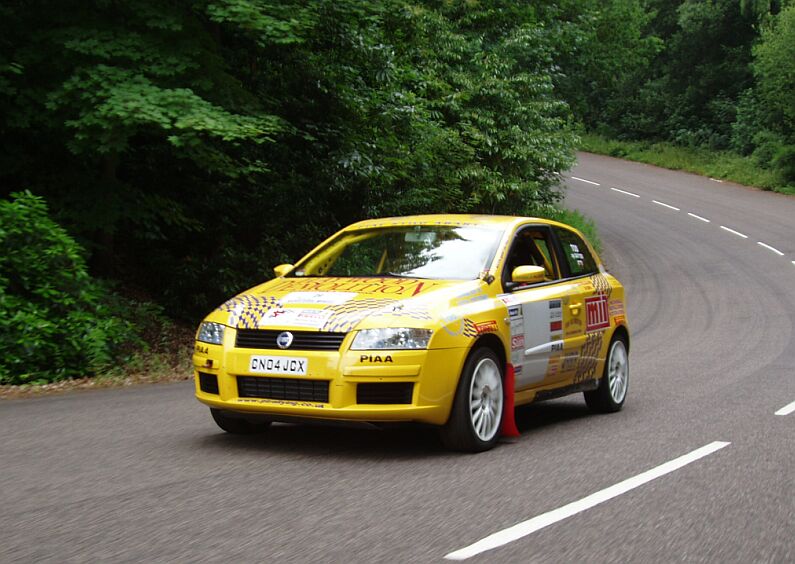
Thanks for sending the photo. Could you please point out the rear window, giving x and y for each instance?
(576, 253)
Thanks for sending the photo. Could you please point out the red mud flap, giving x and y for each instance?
(508, 416)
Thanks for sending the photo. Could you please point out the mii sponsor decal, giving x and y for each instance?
(596, 313)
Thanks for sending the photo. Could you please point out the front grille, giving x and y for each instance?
(302, 340)
(387, 393)
(292, 389)
(208, 383)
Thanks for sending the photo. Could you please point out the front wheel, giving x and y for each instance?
(612, 391)
(237, 425)
(476, 417)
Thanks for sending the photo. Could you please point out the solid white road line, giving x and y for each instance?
(733, 231)
(769, 248)
(716, 180)
(665, 205)
(532, 525)
(625, 192)
(704, 219)
(787, 409)
(586, 181)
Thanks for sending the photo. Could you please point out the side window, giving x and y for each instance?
(532, 246)
(576, 253)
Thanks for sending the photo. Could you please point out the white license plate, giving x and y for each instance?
(278, 365)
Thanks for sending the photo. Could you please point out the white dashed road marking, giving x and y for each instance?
(769, 248)
(665, 205)
(625, 192)
(586, 181)
(734, 232)
(698, 217)
(787, 409)
(532, 525)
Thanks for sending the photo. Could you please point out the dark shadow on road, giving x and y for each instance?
(542, 417)
(395, 443)
(404, 443)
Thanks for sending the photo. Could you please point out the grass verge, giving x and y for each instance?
(724, 165)
(144, 368)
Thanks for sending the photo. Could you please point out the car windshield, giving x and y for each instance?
(420, 251)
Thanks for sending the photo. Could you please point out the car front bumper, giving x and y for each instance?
(342, 385)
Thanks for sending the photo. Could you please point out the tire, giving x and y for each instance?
(476, 416)
(238, 425)
(609, 397)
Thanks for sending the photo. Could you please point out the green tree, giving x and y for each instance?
(774, 67)
(190, 145)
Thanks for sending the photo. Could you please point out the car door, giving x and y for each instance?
(587, 315)
(539, 313)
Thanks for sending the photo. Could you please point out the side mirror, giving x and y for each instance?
(282, 269)
(528, 275)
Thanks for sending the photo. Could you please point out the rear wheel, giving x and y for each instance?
(612, 391)
(476, 417)
(238, 425)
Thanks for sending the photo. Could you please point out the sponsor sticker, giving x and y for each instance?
(616, 307)
(383, 286)
(517, 342)
(486, 327)
(572, 327)
(319, 298)
(508, 299)
(596, 313)
(281, 402)
(281, 317)
(472, 296)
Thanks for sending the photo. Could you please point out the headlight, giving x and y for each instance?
(212, 333)
(402, 338)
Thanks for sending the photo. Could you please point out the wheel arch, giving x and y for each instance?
(493, 342)
(621, 331)
(490, 341)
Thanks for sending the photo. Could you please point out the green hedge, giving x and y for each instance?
(56, 322)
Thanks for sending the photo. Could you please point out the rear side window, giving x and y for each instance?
(575, 253)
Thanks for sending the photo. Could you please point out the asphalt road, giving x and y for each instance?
(144, 475)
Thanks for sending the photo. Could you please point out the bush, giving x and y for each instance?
(55, 321)
(767, 145)
(784, 162)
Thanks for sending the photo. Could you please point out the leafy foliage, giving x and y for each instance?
(55, 321)
(711, 75)
(189, 146)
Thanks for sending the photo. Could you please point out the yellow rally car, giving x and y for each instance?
(448, 320)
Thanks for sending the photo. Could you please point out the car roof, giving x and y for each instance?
(504, 221)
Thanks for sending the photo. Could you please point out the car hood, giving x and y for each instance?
(342, 304)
